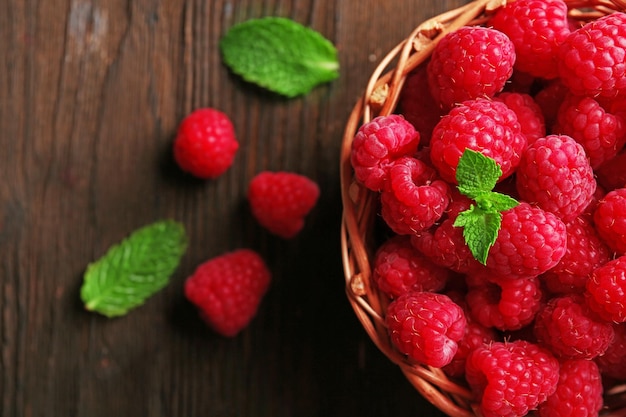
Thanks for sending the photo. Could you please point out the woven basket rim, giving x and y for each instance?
(380, 97)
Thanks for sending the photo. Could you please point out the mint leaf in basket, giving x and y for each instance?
(133, 270)
(477, 175)
(280, 55)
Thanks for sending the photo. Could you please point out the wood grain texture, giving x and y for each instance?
(91, 92)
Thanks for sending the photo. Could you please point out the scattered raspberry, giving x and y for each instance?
(591, 58)
(228, 289)
(611, 174)
(409, 201)
(578, 392)
(377, 144)
(536, 28)
(585, 252)
(570, 330)
(529, 114)
(205, 143)
(610, 219)
(486, 126)
(280, 201)
(426, 327)
(399, 268)
(468, 63)
(511, 378)
(606, 290)
(613, 363)
(554, 173)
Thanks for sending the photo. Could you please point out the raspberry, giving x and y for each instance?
(591, 58)
(511, 378)
(578, 392)
(228, 289)
(569, 329)
(486, 126)
(611, 174)
(585, 252)
(205, 143)
(528, 112)
(554, 173)
(549, 99)
(426, 327)
(398, 268)
(536, 28)
(280, 201)
(377, 144)
(599, 132)
(409, 201)
(529, 243)
(613, 362)
(606, 290)
(610, 219)
(468, 63)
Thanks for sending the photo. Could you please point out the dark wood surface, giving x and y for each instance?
(91, 92)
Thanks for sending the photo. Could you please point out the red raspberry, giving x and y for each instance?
(377, 144)
(536, 28)
(409, 201)
(591, 58)
(613, 363)
(426, 327)
(530, 242)
(486, 126)
(578, 392)
(280, 201)
(511, 378)
(228, 289)
(528, 112)
(468, 63)
(610, 219)
(599, 132)
(549, 99)
(612, 173)
(554, 174)
(570, 330)
(606, 290)
(205, 143)
(398, 268)
(585, 252)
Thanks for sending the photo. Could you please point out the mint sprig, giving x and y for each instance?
(133, 270)
(280, 55)
(477, 175)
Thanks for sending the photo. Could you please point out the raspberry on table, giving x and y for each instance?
(610, 219)
(511, 378)
(468, 63)
(280, 201)
(613, 363)
(399, 268)
(205, 143)
(529, 114)
(579, 391)
(554, 174)
(606, 290)
(228, 289)
(377, 144)
(569, 329)
(426, 326)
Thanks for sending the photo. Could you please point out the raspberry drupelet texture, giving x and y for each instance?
(578, 392)
(399, 268)
(606, 290)
(591, 58)
(280, 201)
(377, 144)
(610, 219)
(486, 126)
(554, 174)
(468, 63)
(570, 330)
(613, 363)
(228, 289)
(529, 114)
(511, 378)
(205, 143)
(536, 28)
(426, 327)
(611, 174)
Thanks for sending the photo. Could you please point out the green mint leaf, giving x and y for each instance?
(280, 55)
(480, 230)
(492, 201)
(476, 173)
(133, 270)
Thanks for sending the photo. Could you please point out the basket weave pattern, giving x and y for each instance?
(360, 205)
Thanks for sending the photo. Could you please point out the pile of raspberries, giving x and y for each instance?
(540, 327)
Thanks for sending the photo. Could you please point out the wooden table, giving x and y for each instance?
(91, 93)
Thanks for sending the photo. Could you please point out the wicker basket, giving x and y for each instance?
(360, 205)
